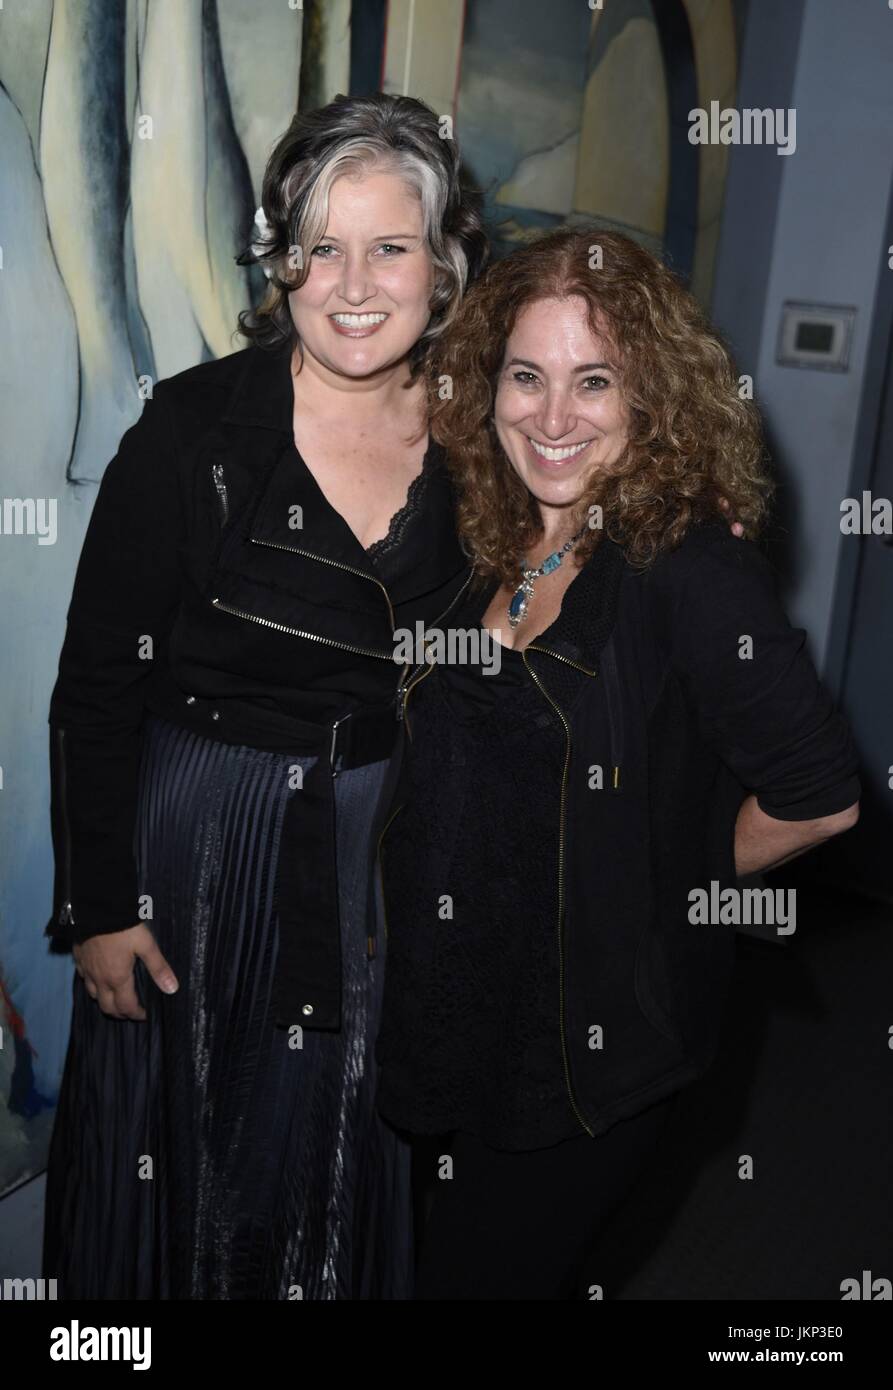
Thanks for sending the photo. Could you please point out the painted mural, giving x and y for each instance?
(134, 135)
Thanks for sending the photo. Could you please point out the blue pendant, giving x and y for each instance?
(518, 606)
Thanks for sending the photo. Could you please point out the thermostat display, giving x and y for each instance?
(815, 335)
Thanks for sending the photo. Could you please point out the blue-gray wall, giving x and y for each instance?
(811, 226)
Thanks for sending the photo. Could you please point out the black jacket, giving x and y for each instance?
(649, 680)
(218, 588)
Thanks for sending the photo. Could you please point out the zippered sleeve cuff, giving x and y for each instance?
(93, 814)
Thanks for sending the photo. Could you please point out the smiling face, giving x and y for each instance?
(558, 412)
(365, 301)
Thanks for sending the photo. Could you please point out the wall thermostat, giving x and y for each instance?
(815, 335)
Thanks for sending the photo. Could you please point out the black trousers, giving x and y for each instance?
(519, 1225)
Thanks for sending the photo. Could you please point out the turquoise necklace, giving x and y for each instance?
(524, 592)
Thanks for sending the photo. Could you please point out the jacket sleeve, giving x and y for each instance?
(125, 596)
(747, 671)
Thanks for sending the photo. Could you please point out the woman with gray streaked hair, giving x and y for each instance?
(225, 736)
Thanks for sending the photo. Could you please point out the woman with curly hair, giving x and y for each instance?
(560, 874)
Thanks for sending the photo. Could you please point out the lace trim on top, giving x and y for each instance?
(402, 518)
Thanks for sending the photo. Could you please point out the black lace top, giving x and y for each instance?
(384, 553)
(470, 1030)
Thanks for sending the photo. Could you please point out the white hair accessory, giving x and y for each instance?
(261, 243)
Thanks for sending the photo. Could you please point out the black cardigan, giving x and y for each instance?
(198, 597)
(644, 678)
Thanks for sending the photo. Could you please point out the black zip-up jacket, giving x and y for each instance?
(218, 588)
(651, 681)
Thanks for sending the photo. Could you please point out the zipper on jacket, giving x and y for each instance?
(406, 690)
(220, 485)
(407, 683)
(562, 1011)
(65, 916)
(297, 632)
(402, 696)
(384, 913)
(615, 713)
(338, 564)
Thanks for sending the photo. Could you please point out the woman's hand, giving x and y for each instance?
(105, 964)
(765, 842)
(735, 526)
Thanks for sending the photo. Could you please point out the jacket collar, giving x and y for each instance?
(263, 398)
(589, 608)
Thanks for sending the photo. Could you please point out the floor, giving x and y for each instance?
(804, 1085)
(21, 1230)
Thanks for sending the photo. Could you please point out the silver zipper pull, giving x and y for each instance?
(220, 485)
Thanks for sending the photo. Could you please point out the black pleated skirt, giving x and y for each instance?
(201, 1153)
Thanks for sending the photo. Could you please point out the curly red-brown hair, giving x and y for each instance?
(693, 439)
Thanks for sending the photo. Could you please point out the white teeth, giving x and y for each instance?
(358, 320)
(557, 455)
